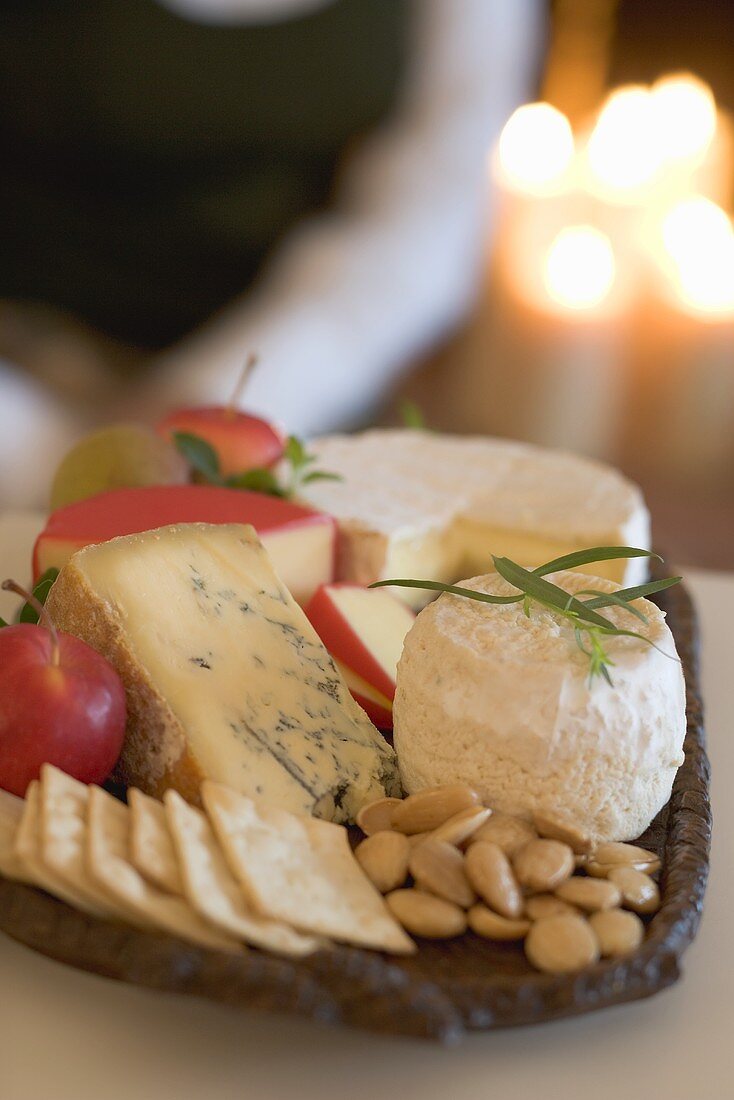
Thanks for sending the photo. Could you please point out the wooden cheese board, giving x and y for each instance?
(446, 989)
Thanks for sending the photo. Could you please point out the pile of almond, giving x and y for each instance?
(446, 863)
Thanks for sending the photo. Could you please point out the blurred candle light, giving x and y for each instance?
(579, 268)
(535, 149)
(698, 256)
(684, 116)
(623, 154)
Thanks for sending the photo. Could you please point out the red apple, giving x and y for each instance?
(364, 630)
(242, 441)
(61, 703)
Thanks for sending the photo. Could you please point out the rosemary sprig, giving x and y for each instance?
(589, 626)
(204, 461)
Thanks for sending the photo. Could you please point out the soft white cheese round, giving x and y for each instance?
(490, 697)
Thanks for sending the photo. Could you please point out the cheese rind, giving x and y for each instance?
(300, 542)
(501, 701)
(225, 677)
(419, 504)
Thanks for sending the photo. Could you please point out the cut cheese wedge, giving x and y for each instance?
(225, 677)
(300, 542)
(427, 506)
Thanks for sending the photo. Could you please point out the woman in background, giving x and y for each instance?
(196, 179)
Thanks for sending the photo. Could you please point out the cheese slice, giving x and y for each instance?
(225, 677)
(429, 506)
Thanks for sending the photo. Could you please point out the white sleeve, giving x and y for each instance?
(356, 293)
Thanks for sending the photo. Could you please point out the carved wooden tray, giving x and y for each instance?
(446, 989)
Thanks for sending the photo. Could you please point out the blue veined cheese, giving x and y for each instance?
(225, 677)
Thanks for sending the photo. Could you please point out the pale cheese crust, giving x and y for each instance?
(489, 697)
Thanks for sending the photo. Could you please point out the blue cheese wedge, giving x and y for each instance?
(225, 677)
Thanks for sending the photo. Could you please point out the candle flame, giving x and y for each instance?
(698, 243)
(579, 268)
(684, 114)
(535, 148)
(623, 153)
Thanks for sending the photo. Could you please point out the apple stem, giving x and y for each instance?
(247, 369)
(43, 616)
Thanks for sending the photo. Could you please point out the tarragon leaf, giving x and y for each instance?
(593, 554)
(549, 594)
(454, 590)
(412, 416)
(635, 593)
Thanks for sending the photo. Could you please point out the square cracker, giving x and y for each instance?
(107, 856)
(11, 811)
(213, 890)
(151, 844)
(301, 871)
(62, 834)
(29, 852)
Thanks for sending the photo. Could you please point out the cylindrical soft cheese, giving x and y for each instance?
(503, 702)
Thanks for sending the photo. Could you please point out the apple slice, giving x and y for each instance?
(364, 630)
(299, 541)
(378, 708)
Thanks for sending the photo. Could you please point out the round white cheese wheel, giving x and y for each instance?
(487, 696)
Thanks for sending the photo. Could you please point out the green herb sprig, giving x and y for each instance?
(204, 460)
(589, 626)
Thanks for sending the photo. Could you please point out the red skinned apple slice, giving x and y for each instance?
(363, 629)
(299, 541)
(378, 708)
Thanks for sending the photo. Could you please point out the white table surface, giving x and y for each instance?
(66, 1035)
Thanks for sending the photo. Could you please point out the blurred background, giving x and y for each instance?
(515, 214)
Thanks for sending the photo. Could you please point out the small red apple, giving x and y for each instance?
(61, 703)
(242, 441)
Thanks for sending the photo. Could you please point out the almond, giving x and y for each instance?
(542, 865)
(589, 894)
(494, 927)
(639, 892)
(384, 859)
(426, 915)
(488, 870)
(438, 867)
(556, 826)
(426, 810)
(377, 816)
(618, 932)
(462, 826)
(561, 945)
(508, 833)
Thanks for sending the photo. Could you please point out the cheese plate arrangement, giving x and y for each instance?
(396, 730)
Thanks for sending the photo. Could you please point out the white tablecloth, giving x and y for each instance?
(65, 1035)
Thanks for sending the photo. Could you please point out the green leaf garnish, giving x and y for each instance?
(204, 461)
(593, 554)
(41, 589)
(3, 623)
(412, 415)
(590, 628)
(260, 480)
(200, 455)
